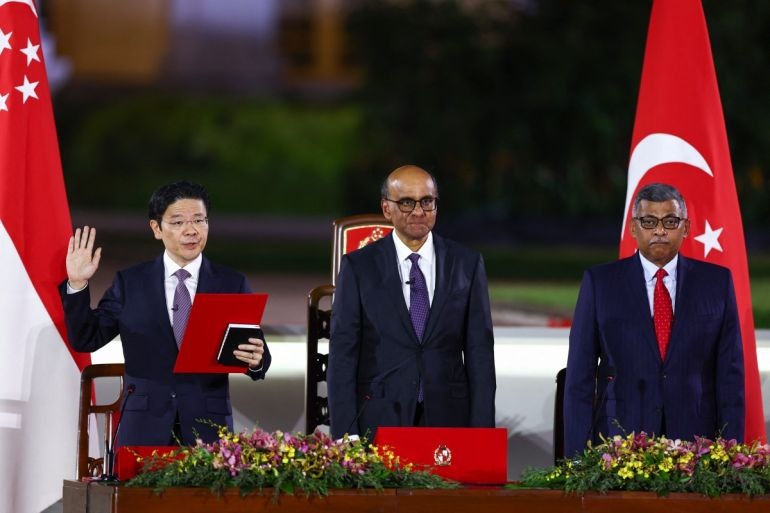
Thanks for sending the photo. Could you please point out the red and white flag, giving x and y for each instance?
(680, 139)
(39, 376)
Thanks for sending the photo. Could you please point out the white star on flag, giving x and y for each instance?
(5, 41)
(3, 99)
(27, 89)
(31, 52)
(710, 239)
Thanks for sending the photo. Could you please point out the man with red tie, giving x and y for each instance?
(655, 343)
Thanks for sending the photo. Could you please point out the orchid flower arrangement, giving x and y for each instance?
(258, 459)
(641, 462)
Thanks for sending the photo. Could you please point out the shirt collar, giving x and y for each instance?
(426, 252)
(650, 269)
(170, 267)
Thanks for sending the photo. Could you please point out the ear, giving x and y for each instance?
(686, 228)
(155, 227)
(633, 226)
(385, 206)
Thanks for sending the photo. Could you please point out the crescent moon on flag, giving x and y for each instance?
(654, 150)
(30, 3)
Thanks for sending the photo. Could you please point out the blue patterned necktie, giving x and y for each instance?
(419, 303)
(182, 306)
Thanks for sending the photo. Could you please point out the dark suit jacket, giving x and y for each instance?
(135, 307)
(376, 360)
(696, 390)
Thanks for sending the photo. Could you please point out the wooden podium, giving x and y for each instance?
(100, 498)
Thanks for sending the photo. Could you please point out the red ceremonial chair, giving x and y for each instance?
(88, 466)
(350, 233)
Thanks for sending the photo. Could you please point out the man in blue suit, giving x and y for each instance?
(655, 344)
(411, 331)
(141, 306)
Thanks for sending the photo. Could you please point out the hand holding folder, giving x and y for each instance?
(236, 335)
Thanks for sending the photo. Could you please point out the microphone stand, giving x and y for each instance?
(610, 378)
(109, 475)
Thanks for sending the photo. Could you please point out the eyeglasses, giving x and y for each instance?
(651, 222)
(200, 223)
(406, 205)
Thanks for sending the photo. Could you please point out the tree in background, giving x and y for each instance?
(526, 108)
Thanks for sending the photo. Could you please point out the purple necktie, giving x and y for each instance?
(419, 304)
(182, 306)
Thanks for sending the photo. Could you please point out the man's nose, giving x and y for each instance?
(416, 206)
(190, 228)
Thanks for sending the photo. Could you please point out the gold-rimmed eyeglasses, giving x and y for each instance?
(200, 223)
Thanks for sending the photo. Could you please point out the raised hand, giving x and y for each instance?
(82, 260)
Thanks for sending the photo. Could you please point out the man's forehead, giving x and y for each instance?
(186, 206)
(423, 187)
(671, 205)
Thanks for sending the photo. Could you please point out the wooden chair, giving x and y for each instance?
(558, 417)
(88, 466)
(350, 233)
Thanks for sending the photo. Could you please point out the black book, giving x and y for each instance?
(236, 335)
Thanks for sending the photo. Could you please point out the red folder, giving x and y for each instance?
(130, 458)
(467, 455)
(209, 317)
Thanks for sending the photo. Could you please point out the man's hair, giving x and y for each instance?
(169, 193)
(660, 192)
(384, 186)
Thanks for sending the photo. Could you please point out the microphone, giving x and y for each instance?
(408, 282)
(360, 412)
(109, 445)
(376, 381)
(598, 407)
(175, 308)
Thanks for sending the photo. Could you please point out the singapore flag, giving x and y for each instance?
(680, 138)
(39, 376)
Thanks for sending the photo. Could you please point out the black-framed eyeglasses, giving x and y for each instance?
(651, 222)
(406, 205)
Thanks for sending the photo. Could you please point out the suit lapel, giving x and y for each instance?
(682, 267)
(387, 262)
(206, 277)
(641, 303)
(157, 299)
(444, 268)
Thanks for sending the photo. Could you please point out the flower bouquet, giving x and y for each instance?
(639, 462)
(309, 463)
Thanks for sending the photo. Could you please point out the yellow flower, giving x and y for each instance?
(718, 453)
(626, 473)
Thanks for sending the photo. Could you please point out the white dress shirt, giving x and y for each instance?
(427, 263)
(170, 281)
(669, 281)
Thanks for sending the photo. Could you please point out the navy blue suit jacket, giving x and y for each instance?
(135, 308)
(376, 360)
(696, 390)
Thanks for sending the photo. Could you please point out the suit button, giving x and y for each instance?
(173, 395)
(665, 376)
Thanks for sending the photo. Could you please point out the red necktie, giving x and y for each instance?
(662, 313)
